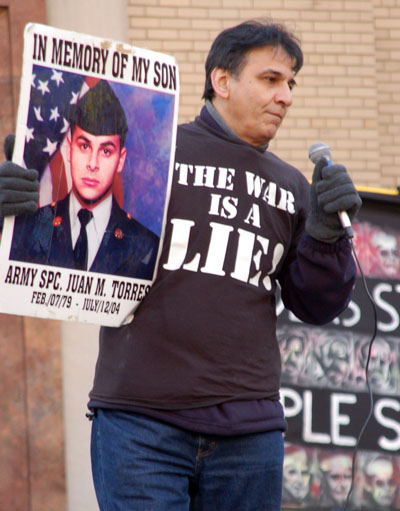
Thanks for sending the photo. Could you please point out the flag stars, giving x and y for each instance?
(33, 84)
(54, 115)
(57, 77)
(38, 114)
(50, 147)
(29, 134)
(43, 87)
(74, 99)
(65, 127)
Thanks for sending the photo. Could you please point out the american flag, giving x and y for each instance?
(53, 93)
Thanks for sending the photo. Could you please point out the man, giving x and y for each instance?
(381, 369)
(388, 252)
(333, 359)
(293, 344)
(336, 478)
(185, 403)
(297, 476)
(82, 230)
(381, 486)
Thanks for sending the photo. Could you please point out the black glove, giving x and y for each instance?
(19, 187)
(332, 190)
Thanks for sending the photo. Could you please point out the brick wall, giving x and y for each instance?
(387, 48)
(347, 87)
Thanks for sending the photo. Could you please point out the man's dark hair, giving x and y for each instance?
(99, 112)
(230, 47)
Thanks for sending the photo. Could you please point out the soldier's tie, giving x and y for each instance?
(81, 247)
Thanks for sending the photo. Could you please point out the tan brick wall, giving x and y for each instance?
(347, 87)
(387, 45)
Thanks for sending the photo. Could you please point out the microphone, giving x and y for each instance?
(321, 150)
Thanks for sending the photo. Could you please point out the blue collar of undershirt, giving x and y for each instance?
(210, 116)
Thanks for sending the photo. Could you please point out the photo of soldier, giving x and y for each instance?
(83, 228)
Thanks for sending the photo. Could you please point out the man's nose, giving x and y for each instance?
(93, 163)
(284, 95)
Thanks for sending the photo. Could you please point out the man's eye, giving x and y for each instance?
(106, 152)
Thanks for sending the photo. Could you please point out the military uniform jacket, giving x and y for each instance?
(128, 248)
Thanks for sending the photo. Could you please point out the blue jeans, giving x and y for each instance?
(142, 464)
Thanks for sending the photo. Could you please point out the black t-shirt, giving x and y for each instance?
(205, 334)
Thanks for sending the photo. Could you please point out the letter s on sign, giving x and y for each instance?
(384, 442)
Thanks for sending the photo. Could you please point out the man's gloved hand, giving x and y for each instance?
(19, 187)
(332, 190)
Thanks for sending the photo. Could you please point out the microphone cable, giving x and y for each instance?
(371, 397)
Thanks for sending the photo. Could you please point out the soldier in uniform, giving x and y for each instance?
(87, 229)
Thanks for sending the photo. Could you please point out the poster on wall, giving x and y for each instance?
(324, 389)
(97, 119)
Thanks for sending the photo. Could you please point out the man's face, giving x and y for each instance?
(381, 483)
(296, 475)
(337, 473)
(389, 253)
(293, 357)
(94, 159)
(258, 98)
(336, 361)
(380, 364)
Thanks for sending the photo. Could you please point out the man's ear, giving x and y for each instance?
(68, 151)
(122, 158)
(220, 79)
